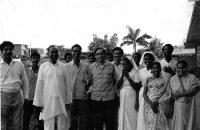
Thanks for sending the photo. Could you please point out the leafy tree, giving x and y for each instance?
(133, 37)
(105, 43)
(154, 45)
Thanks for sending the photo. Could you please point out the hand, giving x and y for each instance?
(154, 107)
(67, 107)
(26, 101)
(90, 82)
(126, 74)
(168, 70)
(176, 96)
(39, 109)
(136, 106)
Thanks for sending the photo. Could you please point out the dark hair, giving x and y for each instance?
(183, 62)
(35, 54)
(99, 48)
(150, 56)
(90, 54)
(128, 61)
(67, 54)
(156, 63)
(168, 45)
(109, 54)
(48, 49)
(6, 43)
(76, 45)
(118, 48)
(138, 54)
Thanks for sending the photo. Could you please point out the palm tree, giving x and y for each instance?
(134, 38)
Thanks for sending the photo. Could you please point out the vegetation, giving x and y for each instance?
(106, 43)
(133, 37)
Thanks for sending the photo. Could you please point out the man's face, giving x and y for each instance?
(76, 52)
(35, 59)
(53, 54)
(100, 55)
(167, 51)
(68, 58)
(7, 52)
(136, 58)
(117, 56)
(91, 59)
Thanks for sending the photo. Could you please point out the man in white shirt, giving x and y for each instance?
(77, 75)
(14, 88)
(52, 94)
(168, 64)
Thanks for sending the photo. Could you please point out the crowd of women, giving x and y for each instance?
(137, 92)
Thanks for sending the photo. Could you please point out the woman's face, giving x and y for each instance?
(148, 60)
(181, 69)
(156, 69)
(125, 65)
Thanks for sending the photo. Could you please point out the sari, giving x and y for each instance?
(184, 108)
(158, 91)
(144, 73)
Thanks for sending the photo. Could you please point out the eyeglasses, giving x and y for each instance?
(100, 54)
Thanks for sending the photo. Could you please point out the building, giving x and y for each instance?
(193, 41)
(193, 37)
(20, 50)
(41, 51)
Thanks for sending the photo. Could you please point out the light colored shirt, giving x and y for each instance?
(13, 77)
(118, 69)
(32, 78)
(171, 64)
(189, 81)
(104, 80)
(52, 91)
(77, 79)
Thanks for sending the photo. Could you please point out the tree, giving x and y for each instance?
(134, 37)
(156, 45)
(105, 43)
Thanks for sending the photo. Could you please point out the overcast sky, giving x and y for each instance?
(67, 22)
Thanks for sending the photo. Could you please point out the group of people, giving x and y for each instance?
(131, 93)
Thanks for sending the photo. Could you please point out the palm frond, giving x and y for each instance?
(146, 36)
(127, 38)
(131, 32)
(137, 32)
(142, 42)
(126, 43)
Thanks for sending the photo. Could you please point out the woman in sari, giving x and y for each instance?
(147, 60)
(156, 91)
(184, 88)
(128, 85)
